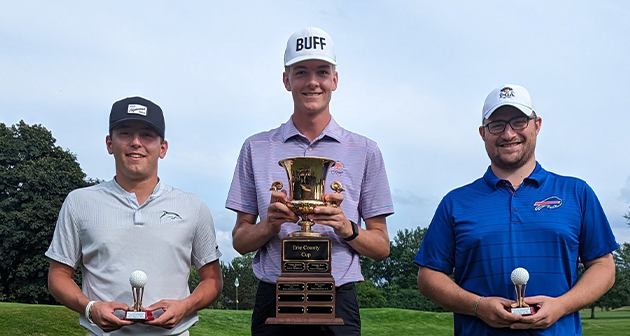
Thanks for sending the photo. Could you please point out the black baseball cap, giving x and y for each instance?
(137, 109)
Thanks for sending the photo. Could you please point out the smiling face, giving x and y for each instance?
(311, 84)
(510, 150)
(136, 147)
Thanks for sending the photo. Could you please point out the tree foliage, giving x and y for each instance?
(619, 295)
(370, 296)
(398, 269)
(35, 178)
(393, 281)
(241, 268)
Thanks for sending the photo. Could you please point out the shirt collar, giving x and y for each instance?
(332, 130)
(120, 190)
(537, 177)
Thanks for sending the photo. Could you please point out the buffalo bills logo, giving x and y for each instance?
(506, 93)
(552, 202)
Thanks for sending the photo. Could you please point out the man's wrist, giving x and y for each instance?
(88, 311)
(355, 231)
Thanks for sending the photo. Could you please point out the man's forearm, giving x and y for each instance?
(598, 278)
(208, 289)
(441, 289)
(63, 288)
(247, 237)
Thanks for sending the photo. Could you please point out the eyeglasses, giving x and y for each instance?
(517, 123)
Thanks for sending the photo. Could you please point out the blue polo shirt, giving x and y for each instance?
(484, 230)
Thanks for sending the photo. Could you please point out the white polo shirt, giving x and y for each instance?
(104, 230)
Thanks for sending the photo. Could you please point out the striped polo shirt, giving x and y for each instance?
(106, 232)
(360, 168)
(484, 230)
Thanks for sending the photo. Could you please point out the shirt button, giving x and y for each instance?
(515, 209)
(310, 148)
(514, 194)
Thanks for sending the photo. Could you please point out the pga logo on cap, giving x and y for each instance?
(506, 93)
(137, 109)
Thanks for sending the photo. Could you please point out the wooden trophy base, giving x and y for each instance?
(305, 299)
(305, 290)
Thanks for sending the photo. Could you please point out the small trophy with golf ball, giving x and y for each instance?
(138, 280)
(519, 278)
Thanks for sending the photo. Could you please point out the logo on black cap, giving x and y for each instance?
(137, 109)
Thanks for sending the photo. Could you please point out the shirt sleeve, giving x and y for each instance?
(242, 195)
(204, 248)
(376, 197)
(65, 246)
(596, 236)
(437, 250)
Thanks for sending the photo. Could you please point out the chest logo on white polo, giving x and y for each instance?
(170, 215)
(552, 202)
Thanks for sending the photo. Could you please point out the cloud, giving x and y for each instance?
(625, 191)
(406, 197)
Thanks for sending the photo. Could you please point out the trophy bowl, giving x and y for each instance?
(307, 185)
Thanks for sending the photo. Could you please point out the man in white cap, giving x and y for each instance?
(517, 215)
(311, 77)
(134, 222)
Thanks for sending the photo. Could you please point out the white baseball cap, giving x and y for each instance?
(310, 43)
(508, 94)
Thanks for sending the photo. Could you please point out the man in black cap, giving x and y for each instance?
(134, 222)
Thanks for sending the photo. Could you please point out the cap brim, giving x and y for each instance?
(526, 110)
(111, 126)
(310, 57)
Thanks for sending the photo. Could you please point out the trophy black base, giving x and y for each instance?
(524, 311)
(139, 316)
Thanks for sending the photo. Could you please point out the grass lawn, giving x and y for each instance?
(606, 323)
(43, 320)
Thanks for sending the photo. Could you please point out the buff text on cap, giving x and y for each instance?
(137, 109)
(508, 94)
(307, 44)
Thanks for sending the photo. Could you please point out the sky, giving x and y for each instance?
(413, 76)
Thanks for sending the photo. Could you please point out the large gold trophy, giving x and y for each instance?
(305, 290)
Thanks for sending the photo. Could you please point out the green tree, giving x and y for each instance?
(619, 294)
(396, 276)
(240, 267)
(370, 296)
(35, 178)
(397, 269)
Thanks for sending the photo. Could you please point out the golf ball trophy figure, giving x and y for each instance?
(138, 280)
(305, 289)
(519, 277)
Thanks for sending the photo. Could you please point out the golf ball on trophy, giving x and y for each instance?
(519, 276)
(138, 279)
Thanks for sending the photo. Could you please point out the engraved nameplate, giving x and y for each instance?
(294, 266)
(319, 310)
(291, 287)
(317, 267)
(306, 250)
(319, 286)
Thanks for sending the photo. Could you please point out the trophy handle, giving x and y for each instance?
(276, 185)
(338, 188)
